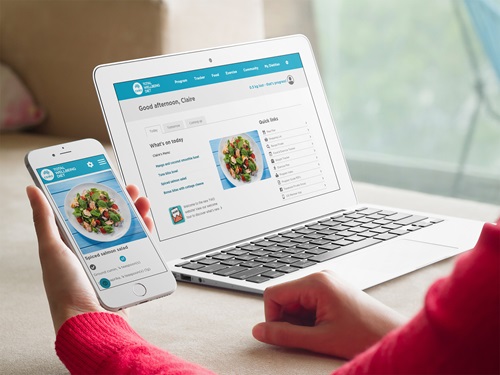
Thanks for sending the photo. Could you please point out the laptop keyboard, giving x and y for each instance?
(291, 250)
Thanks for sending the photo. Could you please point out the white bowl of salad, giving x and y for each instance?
(240, 159)
(97, 212)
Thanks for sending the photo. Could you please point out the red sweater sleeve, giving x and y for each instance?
(104, 343)
(457, 331)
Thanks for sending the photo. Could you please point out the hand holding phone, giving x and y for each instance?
(100, 223)
(69, 291)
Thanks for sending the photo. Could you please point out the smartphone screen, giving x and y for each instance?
(112, 241)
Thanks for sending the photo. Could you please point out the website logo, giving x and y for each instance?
(138, 88)
(47, 174)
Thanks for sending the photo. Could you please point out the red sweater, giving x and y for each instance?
(456, 332)
(458, 329)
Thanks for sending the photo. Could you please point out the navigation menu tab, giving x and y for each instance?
(180, 81)
(173, 126)
(198, 121)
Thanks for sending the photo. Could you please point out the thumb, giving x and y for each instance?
(284, 334)
(43, 217)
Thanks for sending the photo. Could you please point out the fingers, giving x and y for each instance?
(142, 204)
(285, 334)
(323, 313)
(133, 191)
(149, 223)
(304, 293)
(295, 313)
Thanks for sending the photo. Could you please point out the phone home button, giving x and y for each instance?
(139, 289)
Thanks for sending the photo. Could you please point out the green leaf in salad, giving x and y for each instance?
(95, 213)
(82, 203)
(102, 204)
(108, 228)
(115, 217)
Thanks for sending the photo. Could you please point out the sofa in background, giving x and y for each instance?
(54, 45)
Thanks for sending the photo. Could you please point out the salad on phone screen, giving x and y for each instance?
(96, 211)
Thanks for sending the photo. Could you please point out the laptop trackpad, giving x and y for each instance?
(376, 264)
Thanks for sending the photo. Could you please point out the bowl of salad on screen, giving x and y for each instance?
(97, 212)
(240, 159)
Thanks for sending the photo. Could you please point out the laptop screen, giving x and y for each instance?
(226, 144)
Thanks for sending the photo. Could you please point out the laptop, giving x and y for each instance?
(237, 151)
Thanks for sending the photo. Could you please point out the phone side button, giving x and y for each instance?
(139, 289)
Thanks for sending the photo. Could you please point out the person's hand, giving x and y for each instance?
(68, 288)
(324, 314)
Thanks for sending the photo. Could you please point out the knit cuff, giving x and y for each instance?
(85, 341)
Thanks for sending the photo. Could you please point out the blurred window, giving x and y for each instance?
(412, 86)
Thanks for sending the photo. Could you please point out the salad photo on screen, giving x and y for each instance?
(239, 159)
(96, 211)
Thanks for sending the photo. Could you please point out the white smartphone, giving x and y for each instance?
(98, 220)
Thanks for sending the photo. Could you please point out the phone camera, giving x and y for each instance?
(53, 154)
(210, 59)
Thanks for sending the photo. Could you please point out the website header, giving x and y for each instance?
(76, 168)
(200, 77)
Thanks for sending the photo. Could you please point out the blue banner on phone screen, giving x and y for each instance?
(93, 230)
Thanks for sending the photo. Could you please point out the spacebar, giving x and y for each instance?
(344, 250)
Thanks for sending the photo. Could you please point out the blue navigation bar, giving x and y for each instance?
(64, 171)
(200, 77)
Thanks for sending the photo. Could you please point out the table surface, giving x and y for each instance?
(206, 325)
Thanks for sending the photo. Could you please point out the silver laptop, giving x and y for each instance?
(237, 151)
